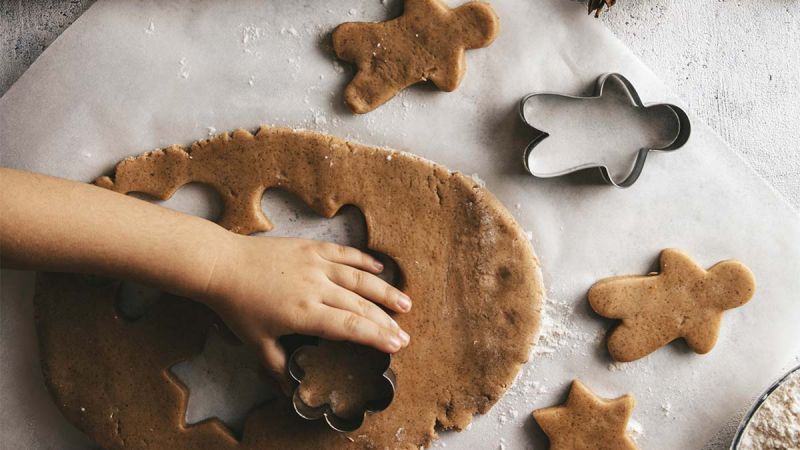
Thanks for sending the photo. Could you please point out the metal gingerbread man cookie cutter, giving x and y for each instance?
(325, 411)
(664, 126)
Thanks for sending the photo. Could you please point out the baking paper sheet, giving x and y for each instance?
(132, 76)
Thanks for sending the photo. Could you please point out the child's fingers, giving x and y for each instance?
(369, 286)
(350, 256)
(274, 359)
(340, 325)
(341, 298)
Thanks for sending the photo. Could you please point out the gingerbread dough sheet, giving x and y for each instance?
(110, 87)
(461, 254)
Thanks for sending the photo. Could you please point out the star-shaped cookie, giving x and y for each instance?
(683, 301)
(587, 421)
(427, 42)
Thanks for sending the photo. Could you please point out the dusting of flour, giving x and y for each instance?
(776, 423)
(559, 331)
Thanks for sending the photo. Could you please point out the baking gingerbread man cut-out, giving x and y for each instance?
(683, 301)
(426, 42)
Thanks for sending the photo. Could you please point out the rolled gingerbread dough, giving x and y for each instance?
(466, 263)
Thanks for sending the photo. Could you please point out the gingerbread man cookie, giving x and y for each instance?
(587, 421)
(683, 301)
(427, 42)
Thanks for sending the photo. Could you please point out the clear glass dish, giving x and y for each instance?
(756, 405)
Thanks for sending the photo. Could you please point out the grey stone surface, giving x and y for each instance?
(27, 28)
(736, 63)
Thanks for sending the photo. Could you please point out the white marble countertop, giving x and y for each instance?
(735, 63)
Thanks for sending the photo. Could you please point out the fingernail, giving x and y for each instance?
(404, 302)
(405, 337)
(378, 266)
(395, 343)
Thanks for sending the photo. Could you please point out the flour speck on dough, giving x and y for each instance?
(151, 28)
(478, 180)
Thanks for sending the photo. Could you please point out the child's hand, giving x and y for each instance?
(264, 288)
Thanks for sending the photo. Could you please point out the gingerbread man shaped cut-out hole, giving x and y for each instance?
(293, 218)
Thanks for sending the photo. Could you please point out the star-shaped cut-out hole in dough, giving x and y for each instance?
(587, 421)
(226, 381)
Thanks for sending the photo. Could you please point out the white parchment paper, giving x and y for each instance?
(132, 76)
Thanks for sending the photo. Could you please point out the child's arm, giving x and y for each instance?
(262, 287)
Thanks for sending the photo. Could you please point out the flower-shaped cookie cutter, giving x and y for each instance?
(679, 132)
(325, 411)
